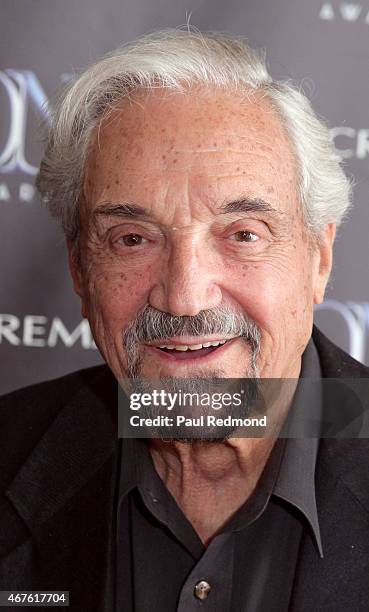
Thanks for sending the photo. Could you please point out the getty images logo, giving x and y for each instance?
(22, 89)
(344, 11)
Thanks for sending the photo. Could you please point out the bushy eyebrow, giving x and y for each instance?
(242, 205)
(130, 210)
(247, 205)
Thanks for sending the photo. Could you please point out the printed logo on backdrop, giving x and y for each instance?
(350, 142)
(21, 93)
(354, 317)
(38, 331)
(22, 88)
(349, 12)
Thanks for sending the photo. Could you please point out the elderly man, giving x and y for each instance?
(199, 199)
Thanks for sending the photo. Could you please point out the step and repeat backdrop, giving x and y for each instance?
(322, 45)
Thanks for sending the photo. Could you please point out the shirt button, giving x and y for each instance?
(202, 589)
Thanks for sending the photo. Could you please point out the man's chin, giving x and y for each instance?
(185, 372)
(196, 433)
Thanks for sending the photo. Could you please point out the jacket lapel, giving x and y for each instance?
(338, 581)
(65, 495)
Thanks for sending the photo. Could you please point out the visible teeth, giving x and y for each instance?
(192, 347)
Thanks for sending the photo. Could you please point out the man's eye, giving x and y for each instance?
(245, 236)
(131, 240)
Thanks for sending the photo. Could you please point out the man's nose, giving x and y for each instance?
(187, 283)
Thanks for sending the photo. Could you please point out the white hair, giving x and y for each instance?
(178, 59)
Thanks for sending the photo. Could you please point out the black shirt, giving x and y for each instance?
(248, 567)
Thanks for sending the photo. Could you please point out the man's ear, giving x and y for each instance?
(325, 254)
(76, 274)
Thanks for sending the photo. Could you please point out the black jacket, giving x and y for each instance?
(58, 485)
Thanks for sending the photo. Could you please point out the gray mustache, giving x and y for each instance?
(151, 325)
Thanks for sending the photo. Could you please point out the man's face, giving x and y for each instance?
(190, 205)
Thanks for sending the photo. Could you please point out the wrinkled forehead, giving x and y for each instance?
(211, 142)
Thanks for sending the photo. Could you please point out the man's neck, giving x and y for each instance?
(210, 481)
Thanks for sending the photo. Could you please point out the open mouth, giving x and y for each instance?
(192, 351)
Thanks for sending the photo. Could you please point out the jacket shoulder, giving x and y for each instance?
(49, 394)
(335, 362)
(344, 463)
(26, 413)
